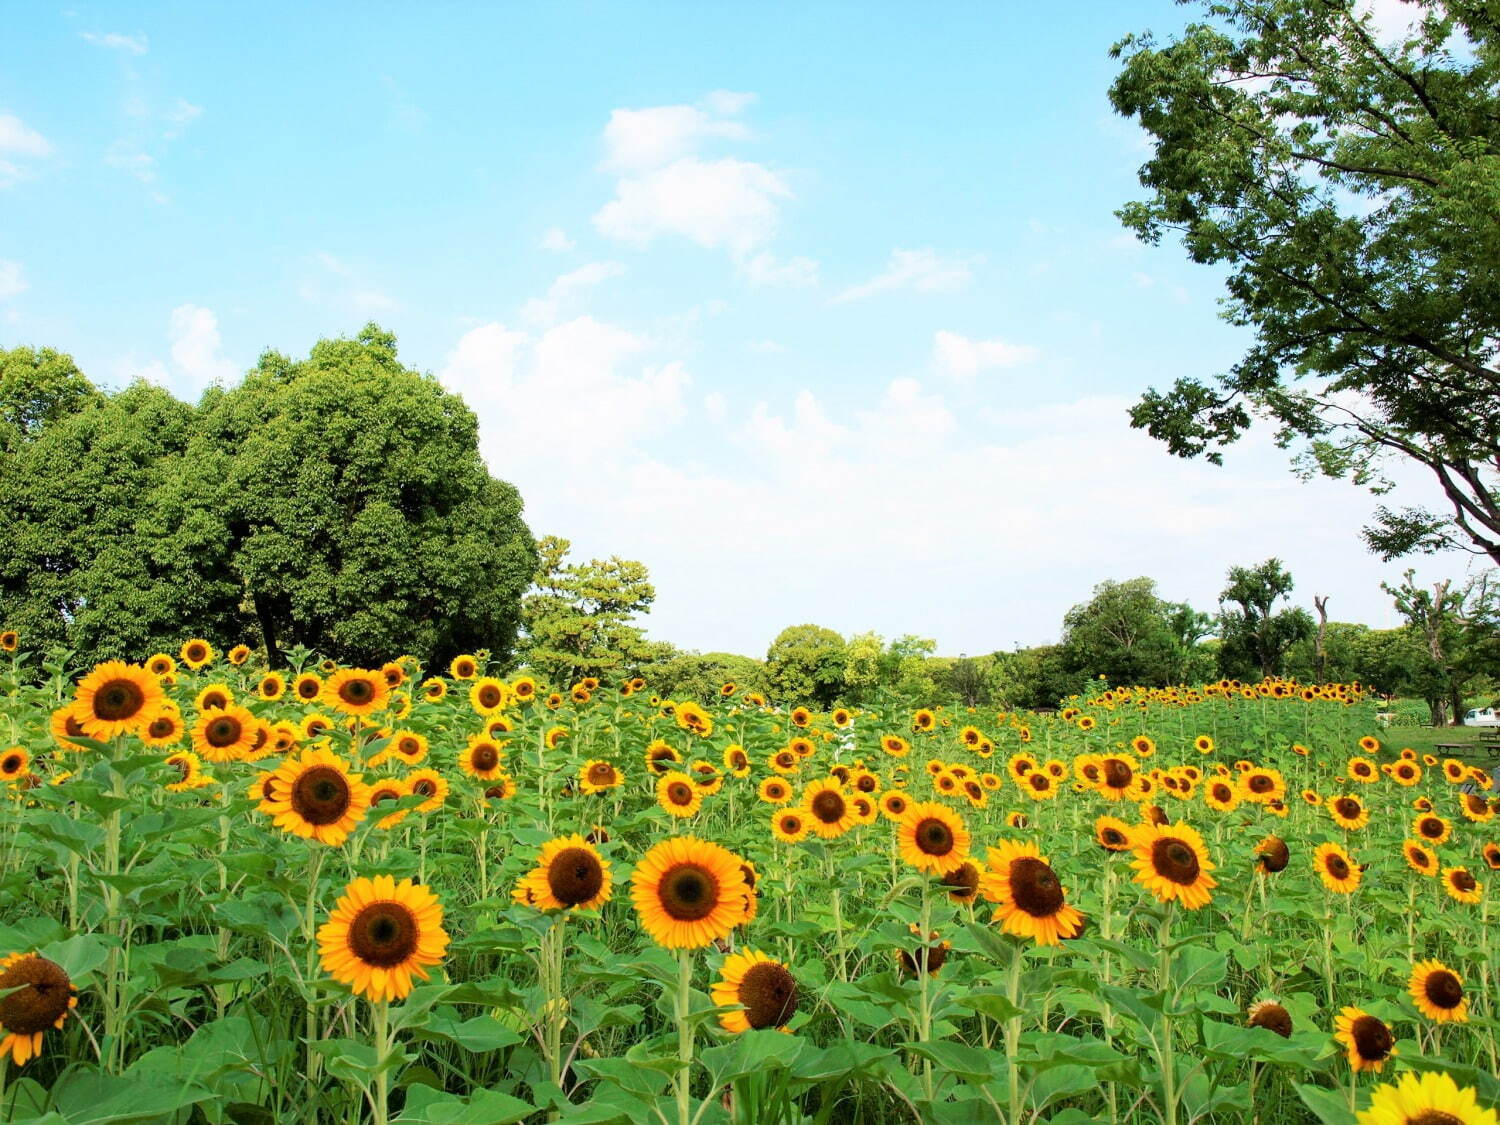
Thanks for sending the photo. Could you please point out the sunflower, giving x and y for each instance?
(1431, 828)
(923, 720)
(1143, 746)
(801, 716)
(1273, 855)
(1368, 1041)
(895, 746)
(14, 763)
(789, 826)
(570, 874)
(429, 784)
(1300, 750)
(1203, 744)
(1419, 1099)
(761, 991)
(1491, 854)
(238, 655)
(1221, 795)
(706, 777)
(736, 761)
(802, 747)
(775, 791)
(272, 686)
(117, 698)
(1271, 1016)
(676, 793)
(1475, 808)
(64, 726)
(1112, 834)
(597, 776)
(1369, 744)
(1172, 863)
(1337, 869)
(1406, 773)
(554, 737)
(1262, 785)
(463, 667)
(688, 892)
(932, 838)
(962, 883)
(382, 934)
(827, 808)
(482, 758)
(1461, 886)
(1311, 797)
(315, 796)
(841, 717)
(1030, 900)
(35, 994)
(9, 640)
(1454, 770)
(356, 691)
(196, 653)
(226, 735)
(1016, 820)
(1348, 812)
(1438, 992)
(1117, 776)
(894, 804)
(1363, 770)
(160, 664)
(307, 687)
(660, 757)
(388, 791)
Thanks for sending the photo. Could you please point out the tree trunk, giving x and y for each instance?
(268, 631)
(1320, 651)
(1439, 708)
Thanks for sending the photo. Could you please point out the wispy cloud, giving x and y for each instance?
(926, 271)
(11, 281)
(136, 44)
(964, 358)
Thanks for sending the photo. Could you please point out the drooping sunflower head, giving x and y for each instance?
(1271, 1016)
(962, 882)
(1491, 854)
(1475, 808)
(36, 996)
(1462, 886)
(1368, 1042)
(760, 989)
(1272, 855)
(687, 892)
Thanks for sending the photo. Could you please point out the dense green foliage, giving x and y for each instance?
(1351, 189)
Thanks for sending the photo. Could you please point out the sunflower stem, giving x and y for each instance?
(309, 939)
(1013, 1030)
(554, 1011)
(1164, 1046)
(382, 1053)
(924, 1012)
(114, 990)
(683, 1082)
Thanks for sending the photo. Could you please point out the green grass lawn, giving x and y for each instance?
(1425, 740)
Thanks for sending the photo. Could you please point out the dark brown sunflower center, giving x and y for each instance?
(34, 995)
(601, 773)
(1112, 838)
(964, 882)
(866, 783)
(215, 701)
(223, 731)
(1418, 856)
(791, 824)
(1274, 855)
(1430, 827)
(1260, 783)
(382, 795)
(1336, 866)
(1222, 792)
(1272, 1017)
(1372, 1039)
(769, 993)
(357, 691)
(12, 763)
(161, 727)
(424, 787)
(680, 793)
(933, 837)
(575, 876)
(1172, 859)
(1034, 887)
(484, 757)
(183, 767)
(119, 700)
(1348, 808)
(896, 805)
(489, 696)
(383, 934)
(321, 795)
(1463, 881)
(1443, 989)
(307, 689)
(196, 652)
(1117, 774)
(1475, 804)
(1434, 1117)
(828, 806)
(689, 892)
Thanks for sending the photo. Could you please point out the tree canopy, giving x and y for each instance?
(1255, 634)
(1351, 188)
(805, 664)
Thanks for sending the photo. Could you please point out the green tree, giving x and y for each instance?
(701, 676)
(92, 555)
(805, 665)
(1453, 630)
(1123, 632)
(862, 657)
(579, 616)
(1255, 634)
(346, 495)
(1349, 189)
(38, 388)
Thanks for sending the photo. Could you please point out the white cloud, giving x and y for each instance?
(126, 157)
(727, 203)
(343, 286)
(1391, 20)
(637, 140)
(182, 114)
(926, 271)
(11, 281)
(546, 310)
(728, 103)
(715, 406)
(766, 269)
(194, 336)
(768, 347)
(556, 239)
(964, 358)
(18, 137)
(136, 44)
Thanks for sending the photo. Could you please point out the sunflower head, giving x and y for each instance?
(1271, 1016)
(688, 892)
(761, 991)
(1368, 1042)
(1438, 992)
(381, 935)
(35, 996)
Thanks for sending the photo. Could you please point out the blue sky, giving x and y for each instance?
(821, 312)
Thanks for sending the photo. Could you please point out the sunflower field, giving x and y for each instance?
(326, 894)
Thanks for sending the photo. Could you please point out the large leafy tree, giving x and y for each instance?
(1256, 634)
(805, 664)
(93, 554)
(580, 617)
(1349, 187)
(346, 496)
(1128, 634)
